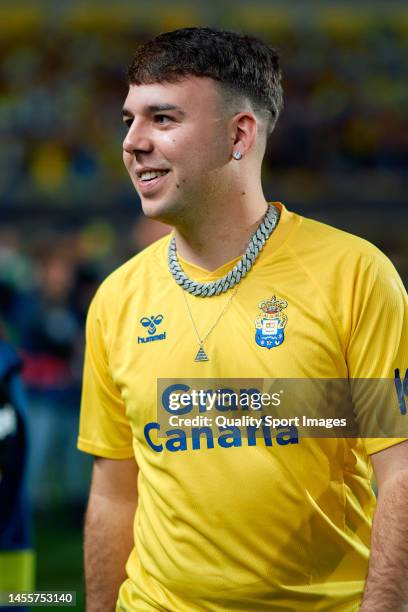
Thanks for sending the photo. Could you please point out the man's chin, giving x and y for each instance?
(165, 212)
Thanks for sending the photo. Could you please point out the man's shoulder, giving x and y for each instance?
(129, 275)
(338, 261)
(335, 244)
(130, 279)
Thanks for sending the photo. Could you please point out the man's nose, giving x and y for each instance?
(137, 140)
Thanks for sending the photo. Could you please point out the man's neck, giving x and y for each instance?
(221, 234)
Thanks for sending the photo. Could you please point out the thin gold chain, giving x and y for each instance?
(226, 305)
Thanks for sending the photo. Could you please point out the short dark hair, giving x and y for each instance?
(243, 65)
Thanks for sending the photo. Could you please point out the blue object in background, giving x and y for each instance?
(16, 552)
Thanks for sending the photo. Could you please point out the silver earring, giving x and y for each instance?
(237, 155)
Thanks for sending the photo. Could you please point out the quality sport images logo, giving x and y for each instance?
(151, 323)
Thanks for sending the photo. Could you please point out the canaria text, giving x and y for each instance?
(197, 438)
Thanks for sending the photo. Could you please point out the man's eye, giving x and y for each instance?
(162, 119)
(128, 123)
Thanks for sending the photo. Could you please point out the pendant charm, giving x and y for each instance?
(201, 355)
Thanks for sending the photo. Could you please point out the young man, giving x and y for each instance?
(241, 289)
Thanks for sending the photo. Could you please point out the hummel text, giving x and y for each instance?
(151, 338)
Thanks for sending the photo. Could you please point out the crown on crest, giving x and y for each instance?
(273, 305)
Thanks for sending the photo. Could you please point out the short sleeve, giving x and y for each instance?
(378, 349)
(104, 429)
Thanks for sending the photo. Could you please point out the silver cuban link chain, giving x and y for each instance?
(240, 270)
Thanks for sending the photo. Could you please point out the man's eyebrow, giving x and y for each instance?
(155, 108)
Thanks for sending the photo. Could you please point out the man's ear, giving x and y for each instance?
(244, 130)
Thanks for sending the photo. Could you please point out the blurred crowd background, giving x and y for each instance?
(69, 216)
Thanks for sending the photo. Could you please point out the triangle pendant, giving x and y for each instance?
(201, 355)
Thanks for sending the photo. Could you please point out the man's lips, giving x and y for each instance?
(151, 185)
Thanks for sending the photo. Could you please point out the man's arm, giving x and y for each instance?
(109, 530)
(387, 581)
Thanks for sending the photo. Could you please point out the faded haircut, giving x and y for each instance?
(244, 66)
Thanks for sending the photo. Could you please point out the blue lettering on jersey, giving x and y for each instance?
(401, 387)
(176, 439)
(151, 323)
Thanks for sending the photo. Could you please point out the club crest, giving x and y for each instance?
(270, 324)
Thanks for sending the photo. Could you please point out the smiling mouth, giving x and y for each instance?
(150, 175)
(150, 181)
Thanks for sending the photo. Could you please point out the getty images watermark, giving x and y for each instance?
(317, 407)
(181, 399)
(199, 414)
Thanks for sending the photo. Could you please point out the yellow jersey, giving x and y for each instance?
(283, 524)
